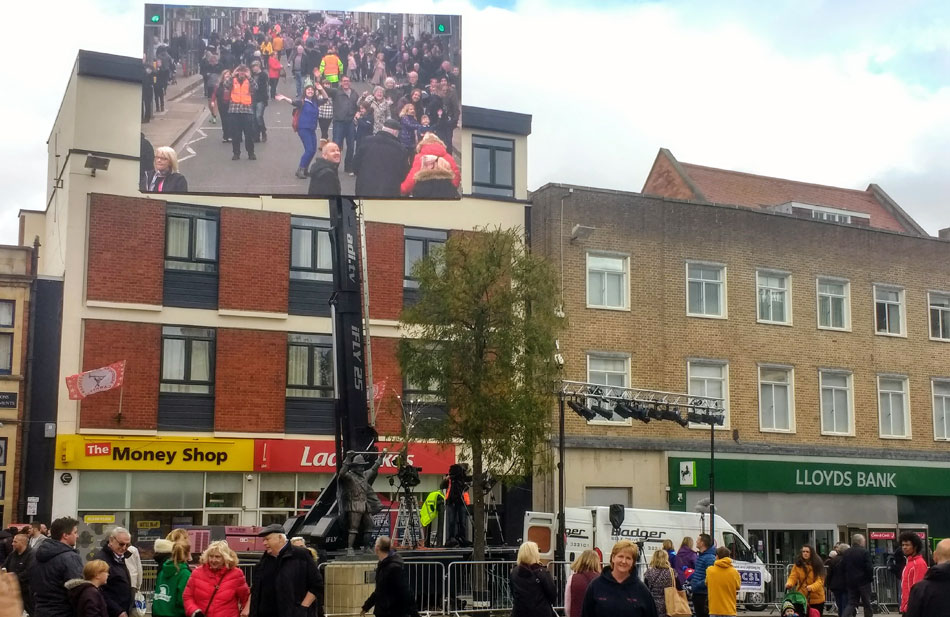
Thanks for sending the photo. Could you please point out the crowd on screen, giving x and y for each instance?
(386, 108)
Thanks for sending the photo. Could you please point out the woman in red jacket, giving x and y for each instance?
(429, 144)
(218, 569)
(274, 69)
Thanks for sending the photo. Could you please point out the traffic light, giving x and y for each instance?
(154, 15)
(443, 24)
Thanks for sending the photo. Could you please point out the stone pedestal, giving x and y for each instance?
(348, 584)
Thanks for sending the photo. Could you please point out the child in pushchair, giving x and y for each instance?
(794, 604)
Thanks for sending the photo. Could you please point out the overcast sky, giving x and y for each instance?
(838, 92)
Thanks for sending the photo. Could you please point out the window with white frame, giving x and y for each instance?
(705, 290)
(834, 304)
(773, 296)
(709, 378)
(893, 406)
(888, 310)
(776, 408)
(608, 370)
(835, 402)
(941, 390)
(940, 316)
(606, 281)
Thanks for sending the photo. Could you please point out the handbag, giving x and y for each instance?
(676, 603)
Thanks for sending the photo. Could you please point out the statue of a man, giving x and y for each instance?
(358, 500)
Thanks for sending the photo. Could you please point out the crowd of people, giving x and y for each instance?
(44, 576)
(394, 132)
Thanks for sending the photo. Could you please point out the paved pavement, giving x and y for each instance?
(206, 161)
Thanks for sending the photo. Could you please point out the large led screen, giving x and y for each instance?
(263, 101)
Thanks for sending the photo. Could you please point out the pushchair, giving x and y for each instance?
(797, 601)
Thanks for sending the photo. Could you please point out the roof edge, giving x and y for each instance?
(899, 213)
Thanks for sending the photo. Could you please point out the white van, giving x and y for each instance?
(590, 528)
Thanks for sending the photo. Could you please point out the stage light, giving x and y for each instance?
(602, 411)
(581, 410)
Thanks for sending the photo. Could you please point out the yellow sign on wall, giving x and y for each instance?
(154, 453)
(107, 519)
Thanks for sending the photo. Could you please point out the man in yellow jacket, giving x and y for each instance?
(722, 581)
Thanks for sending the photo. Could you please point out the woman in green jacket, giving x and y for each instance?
(173, 573)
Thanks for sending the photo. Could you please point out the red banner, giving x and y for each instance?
(97, 380)
(303, 455)
(882, 535)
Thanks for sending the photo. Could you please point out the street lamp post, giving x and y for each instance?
(561, 525)
(712, 482)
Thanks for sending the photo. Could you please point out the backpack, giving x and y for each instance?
(295, 120)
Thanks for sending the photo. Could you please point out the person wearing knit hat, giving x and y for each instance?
(173, 575)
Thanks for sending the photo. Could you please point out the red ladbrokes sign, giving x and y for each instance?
(293, 455)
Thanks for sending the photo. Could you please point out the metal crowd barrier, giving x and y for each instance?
(478, 587)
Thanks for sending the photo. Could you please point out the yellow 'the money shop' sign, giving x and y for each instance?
(154, 453)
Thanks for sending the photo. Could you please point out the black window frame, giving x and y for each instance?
(212, 353)
(428, 237)
(492, 188)
(318, 226)
(318, 341)
(12, 304)
(193, 214)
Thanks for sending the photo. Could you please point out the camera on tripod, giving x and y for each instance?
(408, 475)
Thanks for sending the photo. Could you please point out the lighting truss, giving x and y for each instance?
(644, 405)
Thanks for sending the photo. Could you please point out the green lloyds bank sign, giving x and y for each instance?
(788, 476)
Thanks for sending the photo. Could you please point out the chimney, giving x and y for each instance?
(944, 234)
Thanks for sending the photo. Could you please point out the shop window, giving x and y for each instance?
(836, 403)
(166, 490)
(187, 360)
(834, 304)
(309, 366)
(277, 491)
(773, 290)
(309, 487)
(493, 166)
(103, 490)
(607, 281)
(705, 290)
(224, 490)
(608, 495)
(893, 406)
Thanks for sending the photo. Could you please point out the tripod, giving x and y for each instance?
(408, 515)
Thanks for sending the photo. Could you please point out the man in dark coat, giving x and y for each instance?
(286, 582)
(931, 596)
(325, 172)
(392, 597)
(56, 562)
(345, 103)
(381, 163)
(858, 575)
(117, 592)
(20, 562)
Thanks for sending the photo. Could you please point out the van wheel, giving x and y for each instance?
(755, 601)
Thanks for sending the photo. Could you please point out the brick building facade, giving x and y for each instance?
(826, 340)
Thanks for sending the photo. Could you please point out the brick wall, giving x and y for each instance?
(105, 342)
(126, 249)
(385, 246)
(660, 235)
(665, 180)
(254, 260)
(250, 380)
(386, 370)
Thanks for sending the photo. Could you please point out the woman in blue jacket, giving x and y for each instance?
(307, 116)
